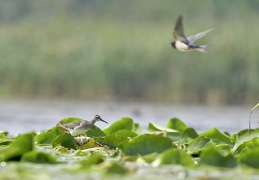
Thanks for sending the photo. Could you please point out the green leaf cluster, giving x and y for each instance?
(111, 150)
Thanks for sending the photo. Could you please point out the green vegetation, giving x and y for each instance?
(120, 49)
(122, 149)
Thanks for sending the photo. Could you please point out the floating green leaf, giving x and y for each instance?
(113, 141)
(2, 137)
(137, 129)
(124, 123)
(249, 154)
(224, 149)
(250, 146)
(21, 145)
(244, 136)
(146, 144)
(61, 149)
(250, 159)
(176, 124)
(199, 144)
(116, 168)
(93, 159)
(154, 127)
(38, 157)
(3, 140)
(174, 156)
(214, 133)
(94, 131)
(188, 135)
(44, 138)
(5, 143)
(171, 133)
(65, 140)
(86, 143)
(125, 132)
(213, 157)
(56, 131)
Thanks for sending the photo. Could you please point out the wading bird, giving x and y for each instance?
(81, 126)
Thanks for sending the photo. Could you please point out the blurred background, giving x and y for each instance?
(119, 51)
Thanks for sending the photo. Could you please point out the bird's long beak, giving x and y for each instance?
(104, 121)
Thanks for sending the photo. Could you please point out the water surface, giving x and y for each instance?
(25, 116)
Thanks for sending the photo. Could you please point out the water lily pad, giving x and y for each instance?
(38, 157)
(244, 136)
(3, 140)
(214, 133)
(155, 127)
(44, 138)
(224, 149)
(65, 140)
(213, 157)
(146, 144)
(187, 136)
(124, 123)
(174, 156)
(250, 146)
(112, 141)
(199, 144)
(95, 131)
(5, 143)
(125, 132)
(93, 159)
(250, 159)
(86, 143)
(22, 144)
(137, 128)
(60, 149)
(116, 168)
(171, 133)
(2, 137)
(249, 154)
(56, 131)
(176, 124)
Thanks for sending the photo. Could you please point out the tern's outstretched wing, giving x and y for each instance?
(193, 38)
(178, 30)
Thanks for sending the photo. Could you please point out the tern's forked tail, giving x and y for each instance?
(202, 48)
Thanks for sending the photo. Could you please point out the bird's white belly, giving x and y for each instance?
(182, 46)
(79, 130)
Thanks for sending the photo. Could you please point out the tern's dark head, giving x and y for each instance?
(98, 118)
(173, 44)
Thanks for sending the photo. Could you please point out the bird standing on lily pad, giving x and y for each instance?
(81, 126)
(185, 44)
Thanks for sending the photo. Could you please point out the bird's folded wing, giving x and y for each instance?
(73, 125)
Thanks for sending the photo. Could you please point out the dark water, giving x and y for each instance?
(25, 116)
